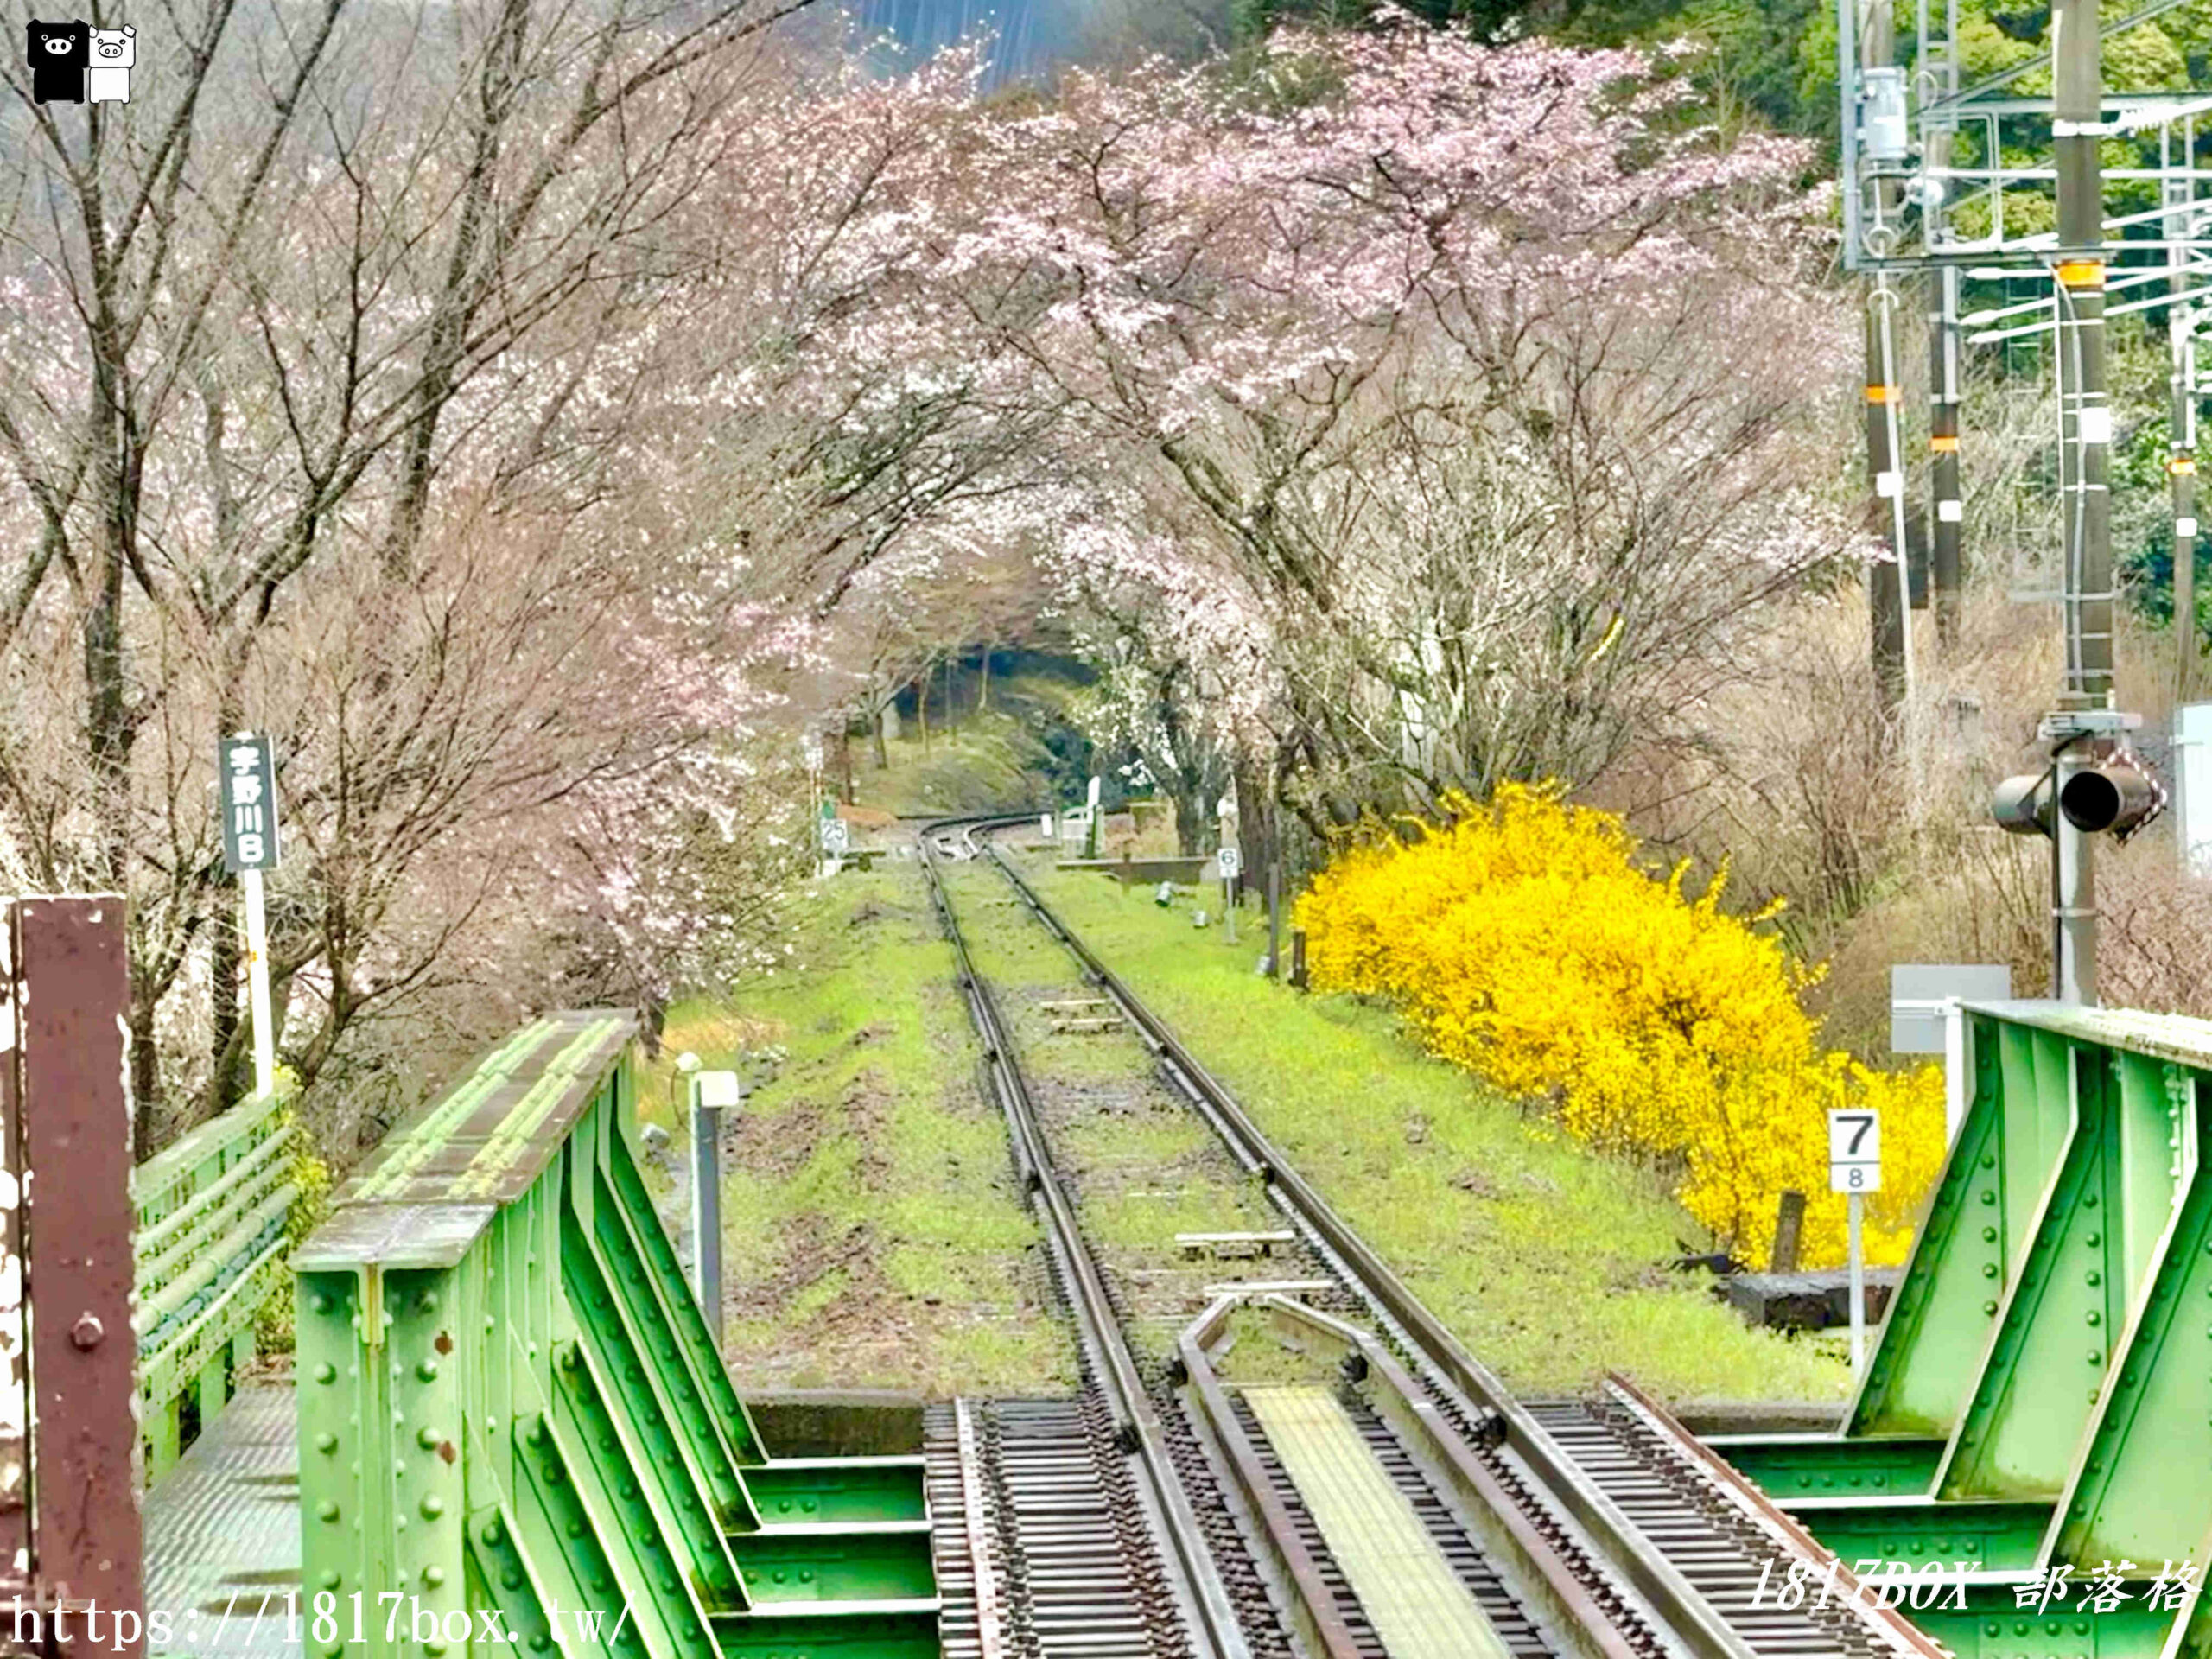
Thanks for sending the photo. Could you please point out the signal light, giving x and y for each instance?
(2024, 805)
(2120, 796)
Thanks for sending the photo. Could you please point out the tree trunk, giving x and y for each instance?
(983, 690)
(883, 716)
(145, 1078)
(1191, 821)
(227, 955)
(226, 967)
(922, 710)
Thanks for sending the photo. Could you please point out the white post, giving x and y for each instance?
(1858, 1287)
(2193, 786)
(1225, 813)
(712, 1093)
(1955, 1070)
(256, 980)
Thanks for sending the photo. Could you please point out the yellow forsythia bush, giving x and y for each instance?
(1524, 942)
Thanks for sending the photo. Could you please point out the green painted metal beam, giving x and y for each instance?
(1995, 1626)
(2142, 1491)
(2054, 1328)
(2118, 1183)
(213, 1214)
(510, 1407)
(1787, 1467)
(1927, 1357)
(1982, 1537)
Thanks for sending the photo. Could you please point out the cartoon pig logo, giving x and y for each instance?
(59, 55)
(107, 80)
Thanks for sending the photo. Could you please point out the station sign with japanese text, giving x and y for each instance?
(248, 768)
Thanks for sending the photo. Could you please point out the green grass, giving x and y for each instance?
(1548, 1261)
(874, 1237)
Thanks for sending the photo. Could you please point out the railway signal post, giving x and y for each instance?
(1855, 1170)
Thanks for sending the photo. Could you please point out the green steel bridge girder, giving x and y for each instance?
(2019, 1122)
(1789, 1468)
(2066, 1312)
(509, 1403)
(1993, 1626)
(1987, 1536)
(2040, 1396)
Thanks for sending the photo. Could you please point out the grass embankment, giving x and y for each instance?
(1548, 1261)
(873, 1234)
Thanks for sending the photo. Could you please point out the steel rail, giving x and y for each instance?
(1695, 1625)
(1137, 1427)
(1790, 1538)
(1313, 1605)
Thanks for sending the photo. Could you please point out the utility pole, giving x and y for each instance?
(1887, 587)
(1945, 576)
(1947, 513)
(1889, 591)
(2085, 432)
(2180, 428)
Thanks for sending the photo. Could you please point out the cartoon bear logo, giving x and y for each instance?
(59, 54)
(108, 80)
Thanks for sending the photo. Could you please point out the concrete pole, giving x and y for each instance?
(2181, 428)
(2085, 433)
(1946, 518)
(1889, 591)
(1886, 585)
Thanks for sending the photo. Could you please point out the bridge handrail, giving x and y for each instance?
(511, 1402)
(210, 1246)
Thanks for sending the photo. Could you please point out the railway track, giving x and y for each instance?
(1588, 1528)
(1153, 1554)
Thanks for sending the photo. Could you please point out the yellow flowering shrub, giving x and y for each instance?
(1523, 941)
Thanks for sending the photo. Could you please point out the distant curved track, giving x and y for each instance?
(1595, 1528)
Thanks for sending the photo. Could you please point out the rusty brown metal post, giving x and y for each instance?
(70, 994)
(15, 1359)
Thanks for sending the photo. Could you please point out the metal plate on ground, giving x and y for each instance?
(1408, 1590)
(223, 1536)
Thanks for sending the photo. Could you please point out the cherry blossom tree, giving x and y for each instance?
(390, 382)
(1436, 391)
